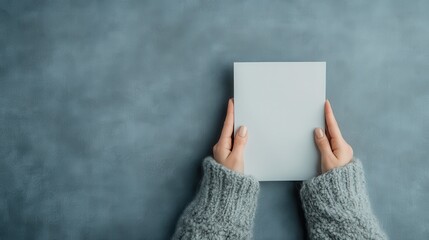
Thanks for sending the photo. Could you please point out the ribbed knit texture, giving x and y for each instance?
(224, 207)
(336, 205)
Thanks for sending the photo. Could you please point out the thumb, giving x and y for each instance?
(240, 141)
(322, 143)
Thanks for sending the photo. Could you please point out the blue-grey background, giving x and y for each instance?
(108, 107)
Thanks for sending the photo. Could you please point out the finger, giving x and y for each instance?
(322, 143)
(240, 141)
(327, 132)
(228, 125)
(331, 122)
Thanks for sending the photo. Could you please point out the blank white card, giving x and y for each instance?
(280, 103)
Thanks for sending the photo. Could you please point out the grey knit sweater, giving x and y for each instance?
(336, 205)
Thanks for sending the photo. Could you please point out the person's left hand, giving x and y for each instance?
(224, 151)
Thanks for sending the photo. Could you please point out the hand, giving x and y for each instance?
(334, 150)
(224, 152)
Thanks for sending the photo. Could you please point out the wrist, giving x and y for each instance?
(225, 194)
(341, 187)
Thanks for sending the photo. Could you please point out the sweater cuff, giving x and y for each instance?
(226, 196)
(339, 189)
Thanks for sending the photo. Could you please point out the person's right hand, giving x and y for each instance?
(334, 150)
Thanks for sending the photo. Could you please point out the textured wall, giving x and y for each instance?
(108, 107)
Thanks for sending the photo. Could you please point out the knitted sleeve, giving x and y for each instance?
(223, 208)
(337, 206)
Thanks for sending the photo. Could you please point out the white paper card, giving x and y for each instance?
(281, 103)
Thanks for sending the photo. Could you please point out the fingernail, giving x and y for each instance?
(242, 131)
(319, 133)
